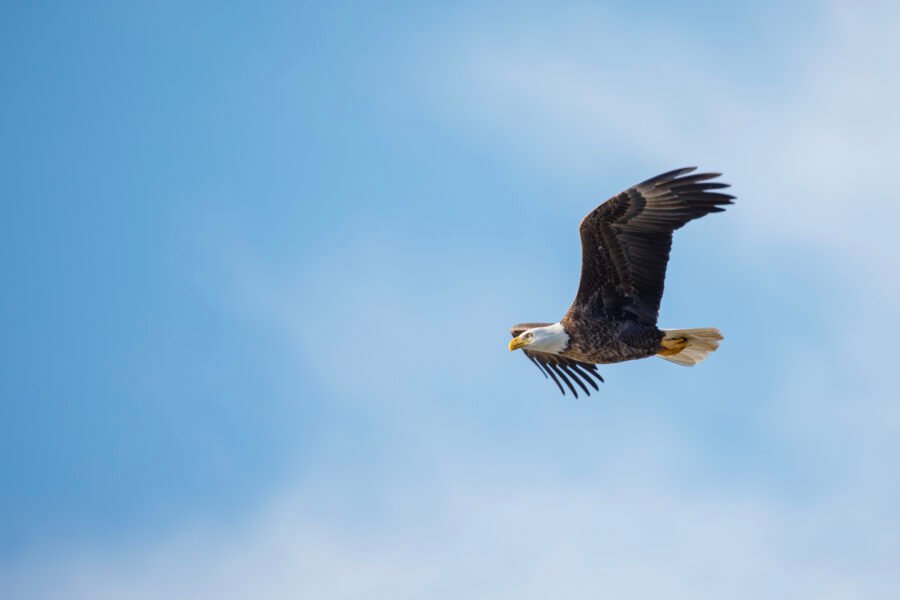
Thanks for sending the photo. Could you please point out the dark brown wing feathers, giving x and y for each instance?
(626, 242)
(559, 367)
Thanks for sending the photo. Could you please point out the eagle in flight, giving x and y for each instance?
(625, 244)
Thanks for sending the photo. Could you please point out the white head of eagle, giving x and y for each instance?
(550, 338)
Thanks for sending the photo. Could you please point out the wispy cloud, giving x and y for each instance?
(810, 149)
(639, 533)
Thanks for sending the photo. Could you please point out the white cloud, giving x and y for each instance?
(645, 535)
(811, 157)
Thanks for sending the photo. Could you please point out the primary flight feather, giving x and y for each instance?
(625, 244)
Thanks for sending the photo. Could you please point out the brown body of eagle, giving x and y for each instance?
(625, 246)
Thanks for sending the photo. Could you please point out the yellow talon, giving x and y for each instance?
(672, 346)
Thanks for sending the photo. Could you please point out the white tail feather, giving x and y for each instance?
(688, 347)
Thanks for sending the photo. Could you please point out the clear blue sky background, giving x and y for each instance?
(259, 261)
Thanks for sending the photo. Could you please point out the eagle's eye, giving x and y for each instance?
(529, 335)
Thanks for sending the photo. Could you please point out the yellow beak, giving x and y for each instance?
(516, 343)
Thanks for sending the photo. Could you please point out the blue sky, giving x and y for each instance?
(260, 261)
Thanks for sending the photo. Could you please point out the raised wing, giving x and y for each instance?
(625, 243)
(561, 368)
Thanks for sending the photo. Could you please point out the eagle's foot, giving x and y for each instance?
(672, 346)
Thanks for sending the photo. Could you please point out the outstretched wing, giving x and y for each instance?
(625, 243)
(559, 367)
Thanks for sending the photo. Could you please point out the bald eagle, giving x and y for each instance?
(625, 245)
